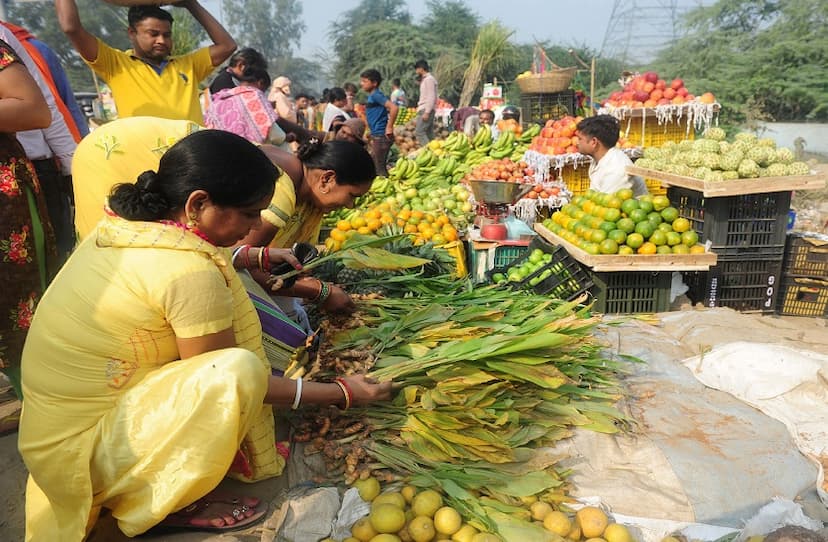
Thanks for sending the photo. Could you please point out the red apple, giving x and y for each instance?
(669, 93)
(663, 101)
(707, 98)
(661, 84)
(641, 96)
(676, 84)
(683, 92)
(651, 77)
(656, 95)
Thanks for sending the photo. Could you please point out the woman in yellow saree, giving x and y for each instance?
(144, 372)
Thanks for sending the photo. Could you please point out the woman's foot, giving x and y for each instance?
(217, 511)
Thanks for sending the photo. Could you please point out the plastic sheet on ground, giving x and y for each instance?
(701, 455)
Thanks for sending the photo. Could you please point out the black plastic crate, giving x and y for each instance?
(746, 284)
(568, 278)
(806, 255)
(802, 296)
(735, 225)
(539, 108)
(631, 292)
(504, 254)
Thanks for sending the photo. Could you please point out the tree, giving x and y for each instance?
(188, 35)
(390, 47)
(756, 53)
(453, 22)
(367, 12)
(101, 19)
(273, 27)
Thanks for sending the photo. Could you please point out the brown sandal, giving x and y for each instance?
(242, 515)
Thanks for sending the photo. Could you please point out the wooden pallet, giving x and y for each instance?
(738, 187)
(635, 262)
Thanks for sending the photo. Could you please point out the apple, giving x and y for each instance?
(669, 93)
(651, 77)
(663, 101)
(676, 84)
(683, 92)
(661, 84)
(707, 98)
(641, 96)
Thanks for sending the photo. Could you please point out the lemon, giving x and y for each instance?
(385, 538)
(389, 498)
(616, 532)
(540, 510)
(596, 539)
(426, 503)
(421, 529)
(387, 518)
(352, 539)
(592, 520)
(575, 532)
(408, 493)
(368, 488)
(530, 500)
(363, 530)
(447, 520)
(558, 523)
(465, 534)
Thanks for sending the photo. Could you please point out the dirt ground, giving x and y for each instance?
(689, 331)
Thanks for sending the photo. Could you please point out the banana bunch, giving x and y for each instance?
(530, 133)
(483, 137)
(476, 157)
(405, 168)
(504, 146)
(446, 166)
(457, 144)
(426, 159)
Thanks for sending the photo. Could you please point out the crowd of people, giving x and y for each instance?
(137, 260)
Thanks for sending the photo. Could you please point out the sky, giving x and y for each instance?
(563, 22)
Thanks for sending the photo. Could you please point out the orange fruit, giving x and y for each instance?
(373, 224)
(337, 235)
(697, 249)
(647, 248)
(343, 225)
(357, 222)
(371, 213)
(364, 230)
(410, 228)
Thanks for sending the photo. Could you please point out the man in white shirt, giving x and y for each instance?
(424, 128)
(597, 137)
(51, 151)
(335, 115)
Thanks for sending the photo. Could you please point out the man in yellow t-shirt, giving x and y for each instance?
(146, 80)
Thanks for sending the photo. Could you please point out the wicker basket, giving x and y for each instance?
(554, 80)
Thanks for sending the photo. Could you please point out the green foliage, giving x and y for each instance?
(453, 22)
(187, 33)
(100, 18)
(388, 46)
(761, 58)
(366, 13)
(272, 27)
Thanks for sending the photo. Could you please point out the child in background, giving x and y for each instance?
(398, 94)
(381, 113)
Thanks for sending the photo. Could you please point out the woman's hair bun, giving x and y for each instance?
(308, 149)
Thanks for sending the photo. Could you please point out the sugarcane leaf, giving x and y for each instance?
(441, 420)
(530, 483)
(501, 507)
(513, 529)
(410, 394)
(544, 376)
(424, 448)
(601, 424)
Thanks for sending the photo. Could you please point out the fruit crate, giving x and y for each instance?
(539, 108)
(748, 283)
(806, 255)
(736, 225)
(567, 278)
(493, 255)
(631, 292)
(645, 131)
(655, 188)
(576, 177)
(801, 296)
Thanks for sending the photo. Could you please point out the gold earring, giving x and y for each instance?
(192, 222)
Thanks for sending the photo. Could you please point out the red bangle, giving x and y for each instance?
(345, 390)
(266, 260)
(247, 257)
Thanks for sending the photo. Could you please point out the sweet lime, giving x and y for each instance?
(658, 238)
(608, 246)
(619, 236)
(645, 228)
(626, 225)
(669, 214)
(690, 238)
(635, 240)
